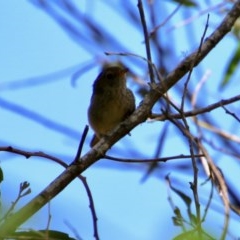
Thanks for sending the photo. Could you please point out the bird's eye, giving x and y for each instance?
(109, 76)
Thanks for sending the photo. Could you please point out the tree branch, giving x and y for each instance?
(162, 117)
(139, 116)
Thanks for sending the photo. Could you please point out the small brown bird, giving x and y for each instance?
(111, 101)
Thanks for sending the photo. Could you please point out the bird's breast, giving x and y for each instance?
(107, 110)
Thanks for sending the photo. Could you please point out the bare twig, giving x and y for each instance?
(160, 145)
(48, 221)
(164, 159)
(162, 117)
(127, 54)
(198, 87)
(231, 113)
(221, 149)
(83, 138)
(222, 186)
(147, 43)
(24, 189)
(220, 132)
(29, 154)
(192, 18)
(92, 207)
(215, 174)
(153, 32)
(194, 185)
(193, 64)
(208, 203)
(74, 230)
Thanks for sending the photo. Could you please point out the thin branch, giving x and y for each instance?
(153, 32)
(200, 13)
(92, 207)
(222, 186)
(230, 113)
(24, 189)
(208, 203)
(147, 43)
(127, 54)
(153, 160)
(224, 150)
(49, 220)
(162, 117)
(29, 154)
(73, 229)
(160, 145)
(175, 209)
(215, 175)
(194, 185)
(83, 138)
(220, 132)
(193, 64)
(84, 181)
(198, 88)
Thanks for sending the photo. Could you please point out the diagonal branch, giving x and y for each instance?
(139, 116)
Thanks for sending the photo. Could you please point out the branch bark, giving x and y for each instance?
(139, 116)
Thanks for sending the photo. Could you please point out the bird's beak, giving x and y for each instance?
(124, 71)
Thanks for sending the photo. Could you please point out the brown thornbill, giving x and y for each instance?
(111, 101)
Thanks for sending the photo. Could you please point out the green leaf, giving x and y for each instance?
(186, 3)
(41, 234)
(1, 175)
(182, 195)
(186, 236)
(236, 29)
(178, 219)
(194, 219)
(194, 234)
(232, 66)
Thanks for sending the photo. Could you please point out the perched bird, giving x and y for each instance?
(111, 101)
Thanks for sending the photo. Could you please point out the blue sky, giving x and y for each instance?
(33, 45)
